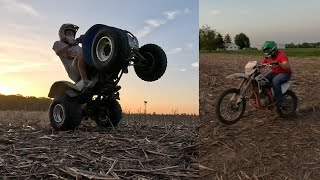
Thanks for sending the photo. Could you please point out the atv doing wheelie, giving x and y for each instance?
(108, 52)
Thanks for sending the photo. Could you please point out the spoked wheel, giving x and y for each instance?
(227, 110)
(289, 104)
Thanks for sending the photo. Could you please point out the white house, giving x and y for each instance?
(231, 46)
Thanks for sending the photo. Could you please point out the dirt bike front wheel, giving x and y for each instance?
(227, 110)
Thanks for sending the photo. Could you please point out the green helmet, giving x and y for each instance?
(269, 48)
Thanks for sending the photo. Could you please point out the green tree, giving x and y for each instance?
(219, 41)
(227, 39)
(207, 38)
(242, 40)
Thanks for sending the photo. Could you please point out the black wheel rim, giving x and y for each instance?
(149, 61)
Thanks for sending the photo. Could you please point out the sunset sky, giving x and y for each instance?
(29, 66)
(284, 21)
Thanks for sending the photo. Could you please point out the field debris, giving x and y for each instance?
(261, 145)
(129, 152)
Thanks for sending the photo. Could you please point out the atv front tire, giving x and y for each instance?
(154, 65)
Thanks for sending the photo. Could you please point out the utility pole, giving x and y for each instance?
(145, 107)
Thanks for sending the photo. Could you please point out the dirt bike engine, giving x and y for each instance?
(264, 99)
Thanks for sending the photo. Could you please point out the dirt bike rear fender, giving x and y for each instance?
(284, 87)
(238, 75)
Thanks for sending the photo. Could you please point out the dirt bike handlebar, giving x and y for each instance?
(267, 64)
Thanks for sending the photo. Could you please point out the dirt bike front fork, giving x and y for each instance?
(242, 92)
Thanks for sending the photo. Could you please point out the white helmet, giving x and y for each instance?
(64, 27)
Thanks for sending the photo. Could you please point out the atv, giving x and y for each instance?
(108, 53)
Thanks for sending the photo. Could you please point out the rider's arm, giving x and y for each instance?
(284, 62)
(285, 65)
(60, 48)
(264, 61)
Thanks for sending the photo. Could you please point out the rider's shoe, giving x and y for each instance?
(89, 84)
(85, 84)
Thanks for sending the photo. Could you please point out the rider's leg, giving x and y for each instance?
(277, 81)
(82, 66)
(270, 76)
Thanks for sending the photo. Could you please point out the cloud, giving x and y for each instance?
(186, 10)
(183, 69)
(171, 14)
(152, 24)
(20, 7)
(214, 12)
(190, 45)
(175, 51)
(195, 64)
(155, 23)
(22, 67)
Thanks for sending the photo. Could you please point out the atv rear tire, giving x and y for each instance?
(113, 115)
(155, 63)
(65, 113)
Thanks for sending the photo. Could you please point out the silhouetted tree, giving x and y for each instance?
(242, 40)
(227, 39)
(219, 41)
(19, 102)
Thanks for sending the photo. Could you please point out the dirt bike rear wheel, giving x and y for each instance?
(289, 104)
(240, 108)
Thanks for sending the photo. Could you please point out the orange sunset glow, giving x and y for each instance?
(29, 66)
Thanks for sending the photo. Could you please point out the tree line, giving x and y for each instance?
(210, 39)
(303, 45)
(21, 103)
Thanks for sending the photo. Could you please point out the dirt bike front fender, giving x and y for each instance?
(238, 75)
(61, 87)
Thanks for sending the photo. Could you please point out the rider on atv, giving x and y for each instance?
(281, 70)
(71, 55)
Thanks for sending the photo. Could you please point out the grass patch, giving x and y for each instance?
(291, 52)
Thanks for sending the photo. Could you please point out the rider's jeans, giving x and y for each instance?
(277, 80)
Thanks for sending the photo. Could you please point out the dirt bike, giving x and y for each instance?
(108, 52)
(255, 88)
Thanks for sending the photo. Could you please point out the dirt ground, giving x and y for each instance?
(261, 145)
(31, 150)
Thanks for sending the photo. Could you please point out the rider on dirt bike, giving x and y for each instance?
(71, 55)
(281, 70)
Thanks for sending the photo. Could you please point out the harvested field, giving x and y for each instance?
(261, 145)
(146, 149)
